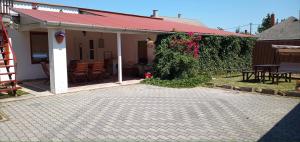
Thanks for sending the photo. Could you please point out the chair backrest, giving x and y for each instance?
(290, 67)
(81, 68)
(45, 68)
(97, 66)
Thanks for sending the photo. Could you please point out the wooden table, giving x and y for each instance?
(263, 69)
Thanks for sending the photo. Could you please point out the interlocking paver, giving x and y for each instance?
(149, 113)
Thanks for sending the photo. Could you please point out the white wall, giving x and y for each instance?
(75, 38)
(21, 46)
(130, 47)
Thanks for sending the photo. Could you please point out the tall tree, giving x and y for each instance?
(266, 23)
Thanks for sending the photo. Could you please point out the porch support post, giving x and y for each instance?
(119, 46)
(57, 63)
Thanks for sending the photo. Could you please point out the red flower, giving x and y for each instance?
(190, 33)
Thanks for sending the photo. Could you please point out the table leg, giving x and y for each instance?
(255, 73)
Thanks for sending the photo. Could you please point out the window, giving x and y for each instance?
(92, 51)
(142, 52)
(101, 43)
(39, 47)
(80, 53)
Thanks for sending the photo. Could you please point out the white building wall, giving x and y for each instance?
(21, 46)
(76, 38)
(130, 47)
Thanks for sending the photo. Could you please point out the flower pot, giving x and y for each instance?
(59, 36)
(59, 39)
(148, 75)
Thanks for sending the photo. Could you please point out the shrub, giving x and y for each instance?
(225, 52)
(179, 83)
(176, 57)
(187, 60)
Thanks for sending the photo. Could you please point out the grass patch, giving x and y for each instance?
(179, 83)
(9, 95)
(236, 80)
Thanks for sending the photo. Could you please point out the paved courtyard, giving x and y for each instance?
(148, 113)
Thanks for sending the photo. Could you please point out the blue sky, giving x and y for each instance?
(213, 13)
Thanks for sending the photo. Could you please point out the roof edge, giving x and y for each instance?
(88, 9)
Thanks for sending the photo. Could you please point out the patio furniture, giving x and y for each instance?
(80, 72)
(285, 71)
(230, 70)
(262, 69)
(96, 70)
(247, 74)
(130, 69)
(45, 68)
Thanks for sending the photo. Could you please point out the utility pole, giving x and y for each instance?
(250, 28)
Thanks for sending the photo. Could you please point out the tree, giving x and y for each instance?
(266, 23)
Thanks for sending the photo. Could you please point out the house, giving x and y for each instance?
(88, 35)
(278, 43)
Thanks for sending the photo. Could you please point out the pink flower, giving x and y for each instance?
(190, 33)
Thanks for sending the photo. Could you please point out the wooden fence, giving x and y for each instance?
(263, 53)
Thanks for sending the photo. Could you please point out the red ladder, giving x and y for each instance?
(6, 50)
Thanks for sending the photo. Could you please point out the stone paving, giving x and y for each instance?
(147, 113)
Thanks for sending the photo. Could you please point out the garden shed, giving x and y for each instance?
(280, 43)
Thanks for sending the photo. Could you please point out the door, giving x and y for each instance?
(142, 52)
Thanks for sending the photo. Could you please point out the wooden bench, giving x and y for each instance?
(231, 70)
(285, 71)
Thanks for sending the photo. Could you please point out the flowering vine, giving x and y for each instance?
(189, 44)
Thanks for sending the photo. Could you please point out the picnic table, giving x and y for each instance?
(263, 69)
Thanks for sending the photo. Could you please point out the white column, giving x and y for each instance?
(57, 63)
(119, 46)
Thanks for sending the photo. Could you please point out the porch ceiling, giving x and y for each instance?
(99, 20)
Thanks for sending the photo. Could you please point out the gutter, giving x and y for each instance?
(55, 24)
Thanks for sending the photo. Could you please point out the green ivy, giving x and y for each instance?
(174, 68)
(225, 52)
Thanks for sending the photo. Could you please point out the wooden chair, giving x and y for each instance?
(96, 70)
(285, 71)
(80, 72)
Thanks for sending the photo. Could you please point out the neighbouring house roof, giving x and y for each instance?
(116, 21)
(184, 21)
(287, 30)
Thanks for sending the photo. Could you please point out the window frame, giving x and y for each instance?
(31, 52)
(91, 49)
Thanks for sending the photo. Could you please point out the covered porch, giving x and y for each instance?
(122, 55)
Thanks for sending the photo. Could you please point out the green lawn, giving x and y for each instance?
(9, 95)
(236, 80)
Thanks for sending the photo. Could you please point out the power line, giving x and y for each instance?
(240, 26)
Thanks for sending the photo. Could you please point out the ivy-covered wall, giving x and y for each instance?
(217, 53)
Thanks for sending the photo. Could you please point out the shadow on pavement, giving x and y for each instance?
(286, 130)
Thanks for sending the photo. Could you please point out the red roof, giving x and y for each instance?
(119, 21)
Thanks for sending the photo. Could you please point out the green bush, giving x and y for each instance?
(225, 52)
(187, 60)
(174, 59)
(179, 83)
